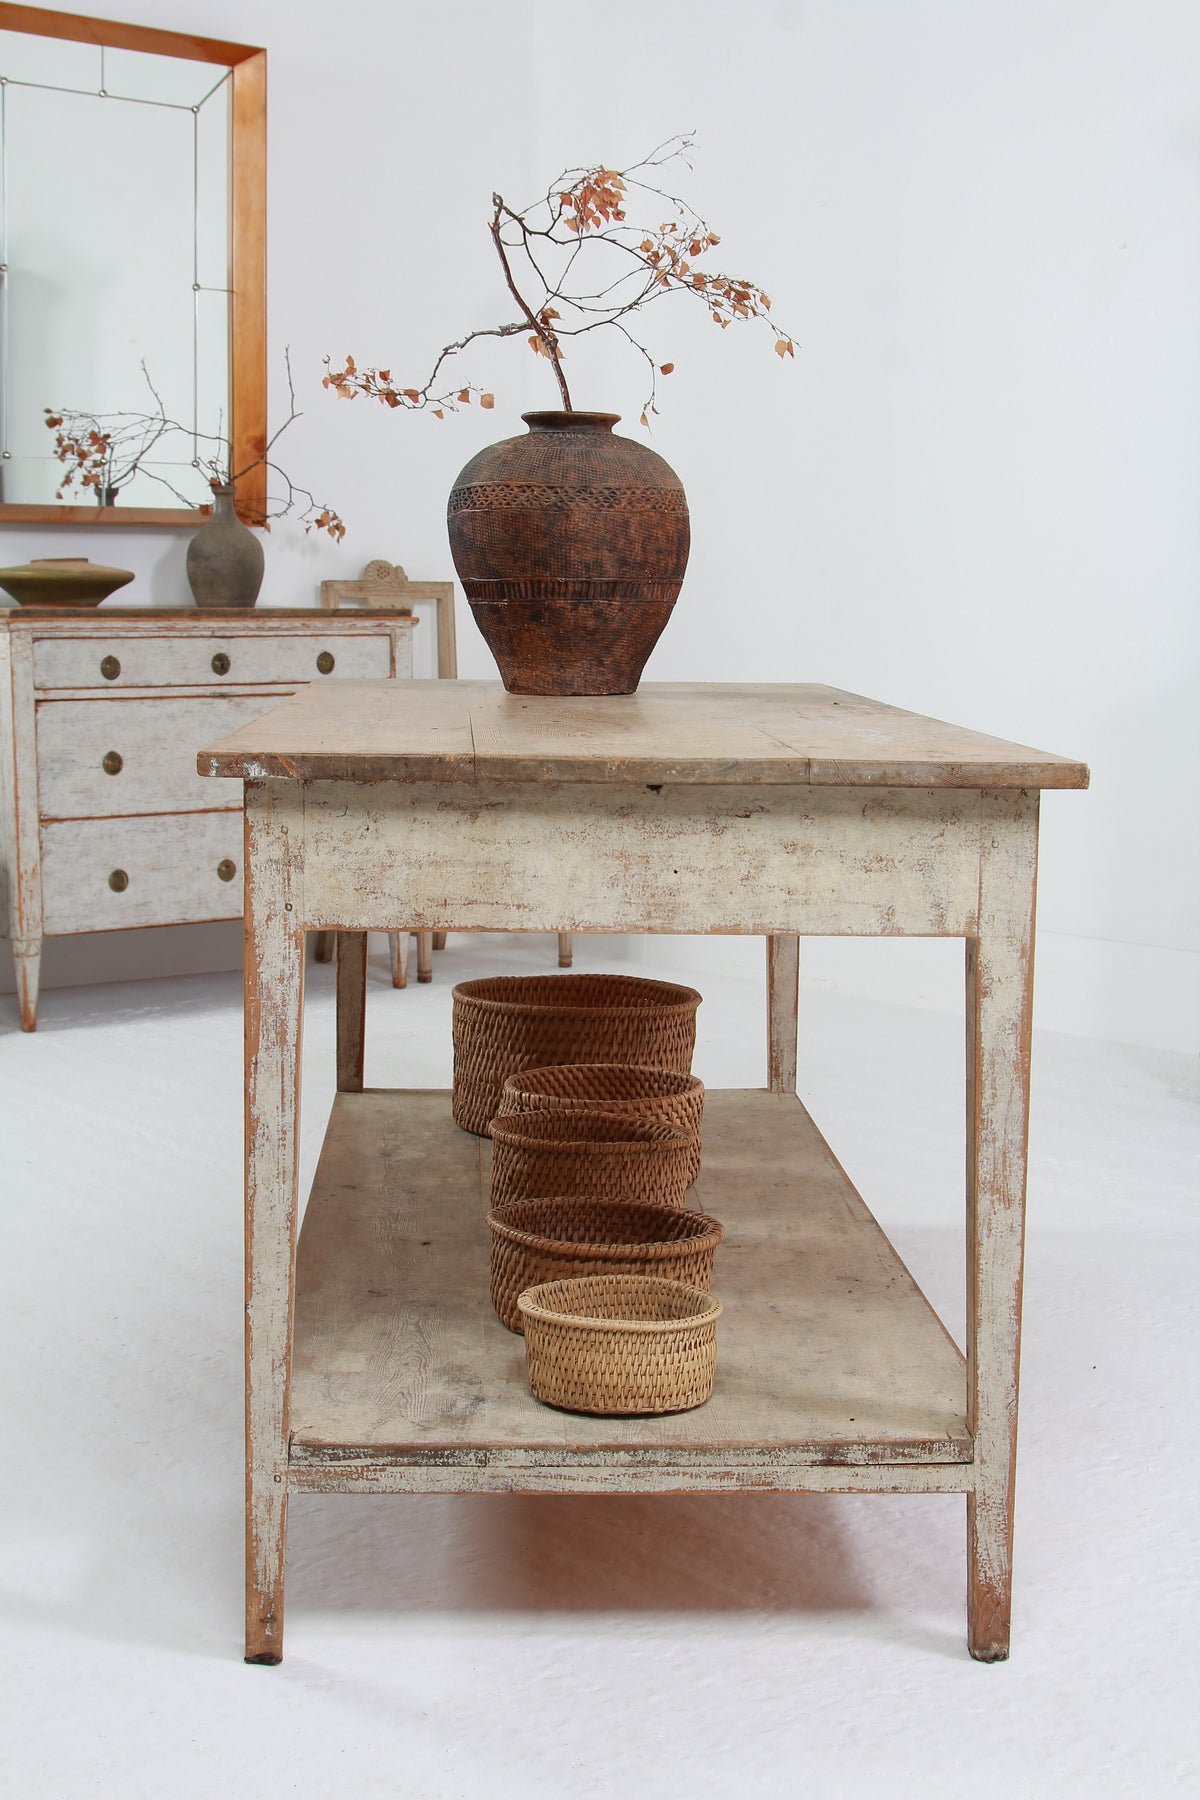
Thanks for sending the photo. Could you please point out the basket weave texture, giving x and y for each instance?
(506, 1023)
(620, 1344)
(535, 1241)
(595, 1155)
(640, 1093)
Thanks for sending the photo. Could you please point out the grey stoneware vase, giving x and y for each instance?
(224, 558)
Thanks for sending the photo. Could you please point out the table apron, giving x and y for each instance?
(590, 857)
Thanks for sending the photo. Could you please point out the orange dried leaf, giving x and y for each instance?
(667, 369)
(487, 401)
(438, 413)
(465, 396)
(645, 421)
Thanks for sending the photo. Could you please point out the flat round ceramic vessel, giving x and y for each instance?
(62, 581)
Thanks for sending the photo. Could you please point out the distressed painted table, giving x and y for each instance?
(374, 1362)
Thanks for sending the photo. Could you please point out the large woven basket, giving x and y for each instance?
(660, 1094)
(620, 1344)
(506, 1023)
(546, 1240)
(597, 1156)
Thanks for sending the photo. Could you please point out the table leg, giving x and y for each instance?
(27, 965)
(274, 1003)
(999, 969)
(398, 951)
(783, 1000)
(424, 956)
(566, 949)
(351, 1010)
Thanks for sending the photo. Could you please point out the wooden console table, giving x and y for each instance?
(374, 1363)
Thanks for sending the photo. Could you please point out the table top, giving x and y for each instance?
(678, 732)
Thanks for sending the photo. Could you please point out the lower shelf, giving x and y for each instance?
(833, 1372)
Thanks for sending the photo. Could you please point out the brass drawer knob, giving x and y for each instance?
(325, 662)
(118, 881)
(220, 663)
(110, 668)
(112, 762)
(226, 869)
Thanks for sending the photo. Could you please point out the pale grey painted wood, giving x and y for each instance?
(597, 857)
(60, 715)
(783, 999)
(187, 662)
(391, 1392)
(827, 1352)
(171, 862)
(274, 1008)
(999, 1025)
(155, 740)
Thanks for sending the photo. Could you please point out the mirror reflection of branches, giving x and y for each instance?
(132, 208)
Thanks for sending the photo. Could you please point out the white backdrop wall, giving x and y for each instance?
(975, 492)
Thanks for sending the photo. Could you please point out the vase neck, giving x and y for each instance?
(571, 421)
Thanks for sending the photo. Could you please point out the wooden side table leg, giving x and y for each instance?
(999, 968)
(325, 944)
(566, 950)
(274, 1003)
(351, 1010)
(27, 966)
(439, 940)
(424, 956)
(783, 1002)
(398, 950)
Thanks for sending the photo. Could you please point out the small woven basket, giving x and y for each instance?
(640, 1093)
(507, 1023)
(545, 1240)
(620, 1344)
(595, 1155)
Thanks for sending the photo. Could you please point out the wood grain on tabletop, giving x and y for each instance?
(670, 732)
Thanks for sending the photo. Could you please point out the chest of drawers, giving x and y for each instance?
(104, 823)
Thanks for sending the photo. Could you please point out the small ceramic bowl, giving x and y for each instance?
(62, 581)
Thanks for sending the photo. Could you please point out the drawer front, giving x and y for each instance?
(105, 874)
(97, 758)
(111, 662)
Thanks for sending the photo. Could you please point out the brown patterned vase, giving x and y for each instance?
(571, 546)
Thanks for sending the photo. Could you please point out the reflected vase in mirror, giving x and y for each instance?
(224, 559)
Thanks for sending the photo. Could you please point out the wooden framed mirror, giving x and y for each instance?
(134, 259)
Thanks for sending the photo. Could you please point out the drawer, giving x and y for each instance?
(106, 874)
(97, 758)
(110, 661)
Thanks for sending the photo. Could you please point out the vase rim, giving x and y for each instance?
(570, 421)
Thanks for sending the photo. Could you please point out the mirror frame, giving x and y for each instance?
(248, 253)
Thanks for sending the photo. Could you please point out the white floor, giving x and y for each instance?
(736, 1644)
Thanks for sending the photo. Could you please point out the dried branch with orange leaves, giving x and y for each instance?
(104, 451)
(582, 224)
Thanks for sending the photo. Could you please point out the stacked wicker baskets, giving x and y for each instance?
(584, 1084)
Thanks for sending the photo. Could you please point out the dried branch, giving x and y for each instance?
(586, 207)
(103, 452)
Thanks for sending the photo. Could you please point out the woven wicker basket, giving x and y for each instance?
(619, 1344)
(511, 1022)
(595, 1155)
(545, 1240)
(675, 1100)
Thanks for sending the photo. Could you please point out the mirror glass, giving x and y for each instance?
(115, 245)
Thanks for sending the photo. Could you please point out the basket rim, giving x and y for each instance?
(709, 1308)
(711, 1236)
(690, 1084)
(514, 1134)
(676, 996)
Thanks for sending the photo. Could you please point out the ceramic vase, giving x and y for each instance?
(571, 545)
(224, 558)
